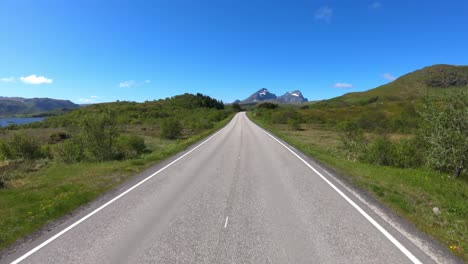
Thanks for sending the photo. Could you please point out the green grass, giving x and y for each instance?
(411, 193)
(57, 189)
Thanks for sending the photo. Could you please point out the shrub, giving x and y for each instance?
(282, 116)
(21, 146)
(408, 153)
(99, 133)
(58, 137)
(130, 146)
(71, 150)
(353, 142)
(444, 128)
(171, 129)
(202, 123)
(381, 152)
(294, 124)
(267, 105)
(372, 120)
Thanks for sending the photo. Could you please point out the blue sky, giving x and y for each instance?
(99, 51)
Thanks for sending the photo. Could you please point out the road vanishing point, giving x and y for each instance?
(240, 196)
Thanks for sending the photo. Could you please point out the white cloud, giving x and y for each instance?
(126, 84)
(343, 85)
(324, 13)
(376, 5)
(33, 79)
(8, 79)
(132, 83)
(85, 100)
(89, 100)
(388, 76)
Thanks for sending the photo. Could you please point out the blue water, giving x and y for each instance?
(19, 120)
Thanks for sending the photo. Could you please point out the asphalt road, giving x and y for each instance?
(239, 197)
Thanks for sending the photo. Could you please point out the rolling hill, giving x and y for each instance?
(13, 106)
(414, 85)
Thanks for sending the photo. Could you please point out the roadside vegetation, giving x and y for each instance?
(50, 168)
(412, 155)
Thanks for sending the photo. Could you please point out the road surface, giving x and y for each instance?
(239, 197)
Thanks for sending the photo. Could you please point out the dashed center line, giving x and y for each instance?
(225, 223)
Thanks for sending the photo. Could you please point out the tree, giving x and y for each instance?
(236, 107)
(444, 129)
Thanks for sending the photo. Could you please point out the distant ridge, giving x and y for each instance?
(265, 95)
(12, 106)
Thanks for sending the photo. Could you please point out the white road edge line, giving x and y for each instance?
(32, 251)
(359, 209)
(225, 223)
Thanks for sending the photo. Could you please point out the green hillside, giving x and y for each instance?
(193, 111)
(427, 81)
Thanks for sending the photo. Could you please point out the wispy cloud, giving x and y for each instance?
(89, 100)
(324, 13)
(126, 84)
(389, 76)
(132, 83)
(33, 79)
(85, 100)
(376, 5)
(8, 79)
(342, 85)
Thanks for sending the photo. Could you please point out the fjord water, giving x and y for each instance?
(19, 120)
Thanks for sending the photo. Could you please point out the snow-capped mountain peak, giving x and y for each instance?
(263, 92)
(292, 97)
(265, 95)
(295, 93)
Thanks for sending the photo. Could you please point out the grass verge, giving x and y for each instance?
(411, 193)
(57, 189)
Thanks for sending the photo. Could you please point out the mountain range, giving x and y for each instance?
(12, 106)
(265, 95)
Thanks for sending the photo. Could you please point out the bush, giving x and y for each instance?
(71, 150)
(381, 152)
(444, 128)
(353, 142)
(283, 116)
(407, 121)
(171, 129)
(267, 105)
(99, 133)
(408, 153)
(372, 120)
(20, 146)
(202, 123)
(130, 146)
(294, 124)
